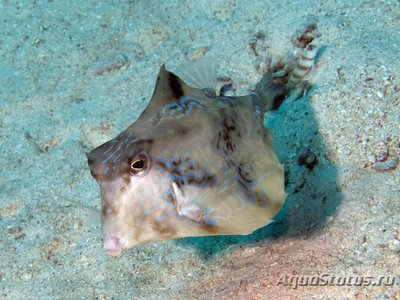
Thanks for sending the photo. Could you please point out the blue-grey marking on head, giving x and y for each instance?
(116, 156)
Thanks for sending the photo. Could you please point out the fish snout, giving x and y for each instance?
(113, 245)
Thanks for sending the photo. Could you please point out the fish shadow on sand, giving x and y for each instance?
(312, 187)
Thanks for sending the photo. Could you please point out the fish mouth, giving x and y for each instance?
(113, 245)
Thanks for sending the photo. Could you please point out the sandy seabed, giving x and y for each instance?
(73, 74)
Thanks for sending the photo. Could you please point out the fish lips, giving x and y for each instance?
(113, 245)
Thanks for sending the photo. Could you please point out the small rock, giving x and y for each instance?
(147, 38)
(41, 141)
(371, 158)
(111, 63)
(379, 94)
(200, 52)
(394, 245)
(219, 9)
(388, 165)
(12, 209)
(92, 136)
(248, 252)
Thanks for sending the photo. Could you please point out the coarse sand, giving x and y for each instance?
(73, 74)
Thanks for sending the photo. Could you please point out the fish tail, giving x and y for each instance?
(269, 91)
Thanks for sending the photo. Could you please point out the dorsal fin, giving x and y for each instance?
(199, 74)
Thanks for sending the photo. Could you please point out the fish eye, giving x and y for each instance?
(139, 164)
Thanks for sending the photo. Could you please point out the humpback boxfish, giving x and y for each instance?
(194, 163)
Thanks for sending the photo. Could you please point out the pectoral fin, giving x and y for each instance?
(184, 207)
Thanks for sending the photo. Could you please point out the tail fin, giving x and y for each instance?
(269, 91)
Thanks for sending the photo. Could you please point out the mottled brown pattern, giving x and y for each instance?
(192, 164)
(205, 177)
(161, 164)
(262, 199)
(163, 228)
(211, 229)
(246, 181)
(181, 130)
(109, 210)
(228, 133)
(244, 175)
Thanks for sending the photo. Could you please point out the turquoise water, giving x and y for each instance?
(75, 74)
